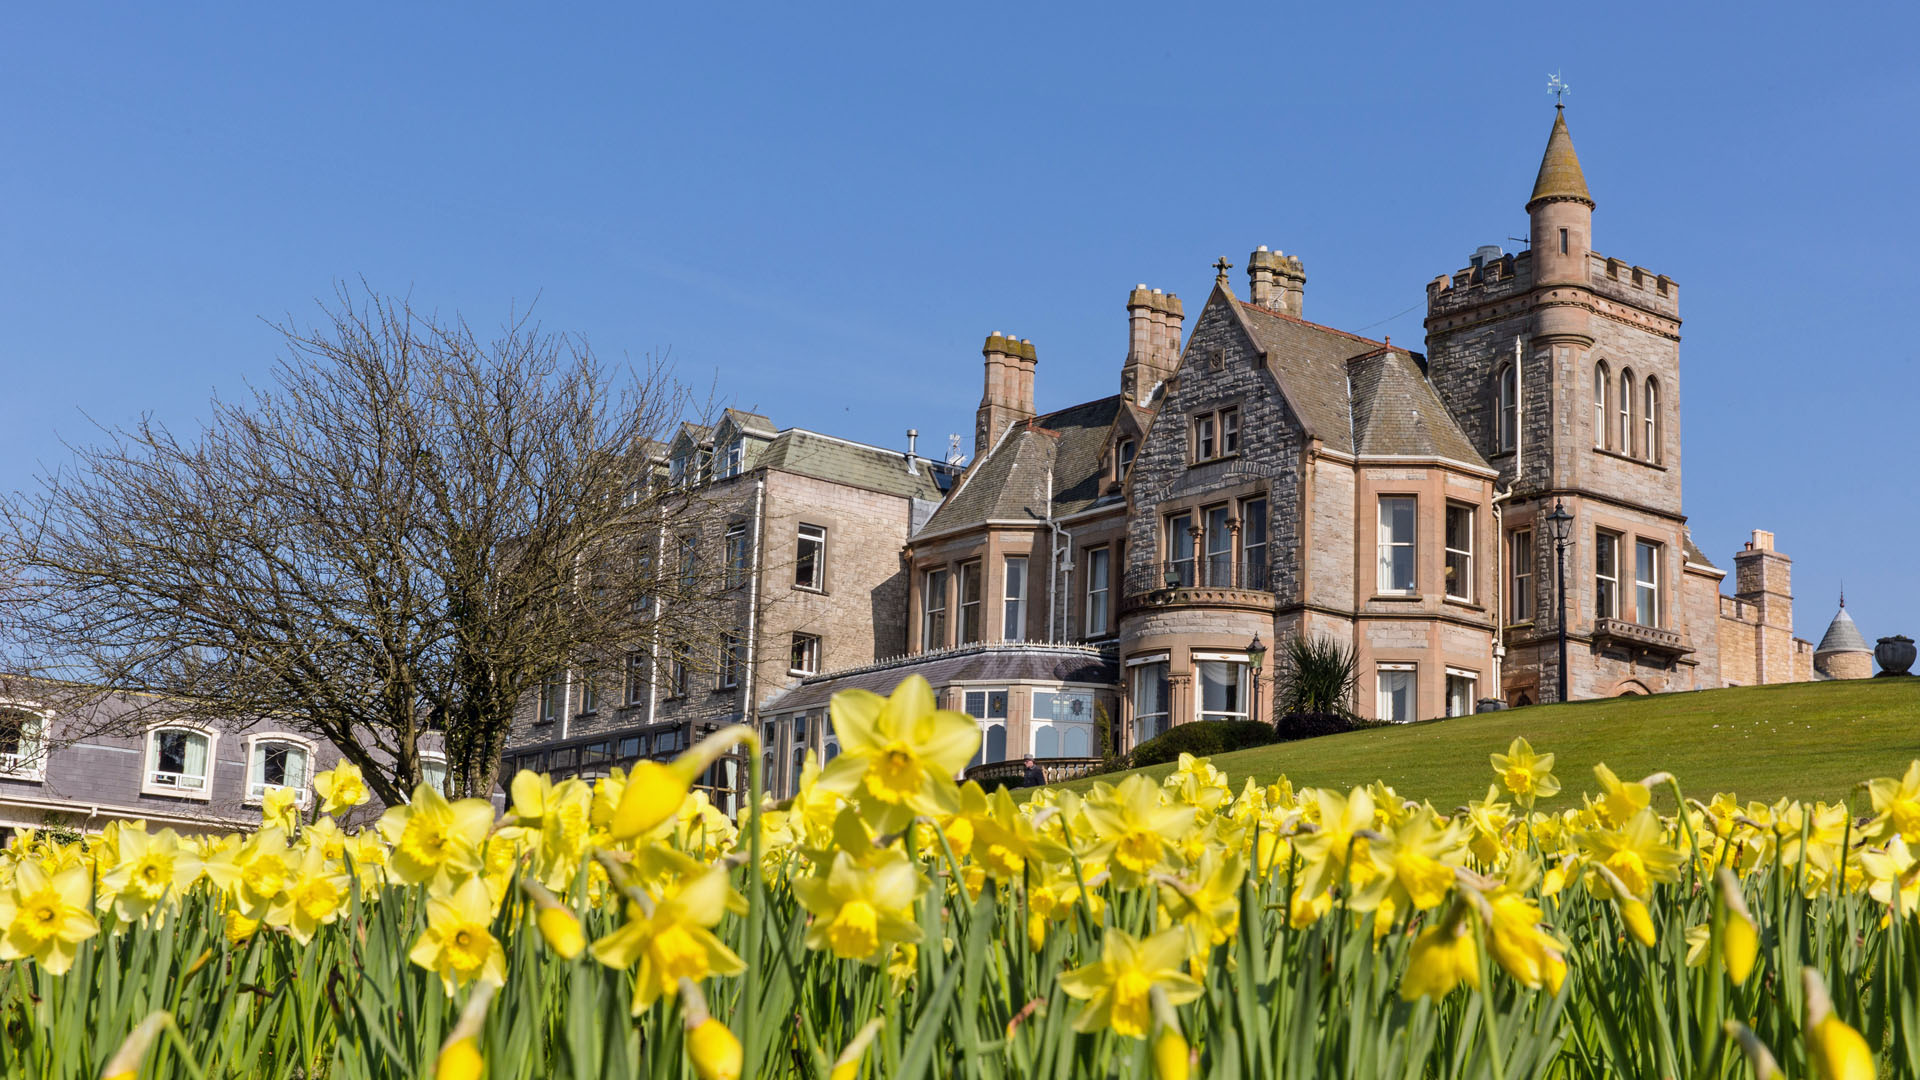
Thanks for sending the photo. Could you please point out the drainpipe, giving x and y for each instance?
(1499, 519)
(749, 706)
(653, 639)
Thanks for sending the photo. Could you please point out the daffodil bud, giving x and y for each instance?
(847, 1065)
(1639, 922)
(654, 792)
(715, 1052)
(1835, 1050)
(1172, 1058)
(561, 930)
(1759, 1058)
(458, 1060)
(1740, 938)
(125, 1063)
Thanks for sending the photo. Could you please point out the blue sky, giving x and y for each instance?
(828, 209)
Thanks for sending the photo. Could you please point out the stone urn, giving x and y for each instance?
(1895, 655)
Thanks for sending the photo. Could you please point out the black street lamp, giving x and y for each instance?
(1560, 528)
(1256, 652)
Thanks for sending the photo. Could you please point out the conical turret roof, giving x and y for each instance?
(1560, 176)
(1842, 635)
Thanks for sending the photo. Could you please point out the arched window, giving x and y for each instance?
(179, 762)
(276, 761)
(1600, 385)
(23, 743)
(1508, 420)
(1652, 419)
(1626, 412)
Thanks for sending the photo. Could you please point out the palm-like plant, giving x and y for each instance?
(1316, 677)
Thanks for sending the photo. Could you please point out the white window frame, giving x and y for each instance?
(1136, 666)
(150, 761)
(1388, 544)
(1381, 696)
(1176, 535)
(1229, 428)
(1602, 386)
(549, 707)
(987, 722)
(1520, 570)
(1123, 458)
(1060, 728)
(1506, 408)
(737, 555)
(1254, 571)
(254, 744)
(1013, 601)
(1647, 588)
(439, 761)
(1651, 421)
(635, 678)
(971, 627)
(933, 608)
(732, 660)
(1626, 412)
(1472, 679)
(808, 648)
(1098, 595)
(1459, 586)
(1206, 438)
(736, 457)
(815, 535)
(27, 765)
(1605, 540)
(1243, 685)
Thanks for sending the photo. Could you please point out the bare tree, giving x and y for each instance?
(407, 531)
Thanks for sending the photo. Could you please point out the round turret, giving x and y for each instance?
(1843, 653)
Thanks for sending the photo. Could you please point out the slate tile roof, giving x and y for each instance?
(1065, 447)
(808, 453)
(1395, 411)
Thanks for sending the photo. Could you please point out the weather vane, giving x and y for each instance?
(1558, 88)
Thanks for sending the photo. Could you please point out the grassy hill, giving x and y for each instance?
(1809, 740)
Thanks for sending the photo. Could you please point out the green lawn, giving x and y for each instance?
(1809, 740)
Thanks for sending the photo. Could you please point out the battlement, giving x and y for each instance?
(1635, 285)
(1487, 279)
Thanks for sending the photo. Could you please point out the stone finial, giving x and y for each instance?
(1220, 268)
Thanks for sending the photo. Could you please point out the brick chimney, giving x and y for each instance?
(1155, 320)
(1276, 280)
(1008, 395)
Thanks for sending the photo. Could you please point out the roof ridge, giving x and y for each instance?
(1292, 318)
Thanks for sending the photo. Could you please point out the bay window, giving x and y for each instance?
(1219, 539)
(1013, 624)
(988, 709)
(969, 602)
(1099, 562)
(1223, 687)
(1606, 575)
(933, 608)
(1459, 552)
(1180, 550)
(1253, 544)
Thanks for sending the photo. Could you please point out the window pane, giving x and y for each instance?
(1222, 690)
(1014, 624)
(1219, 547)
(1460, 552)
(1149, 700)
(1046, 741)
(1180, 553)
(1396, 696)
(1396, 543)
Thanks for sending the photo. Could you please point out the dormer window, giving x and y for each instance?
(179, 762)
(736, 457)
(23, 736)
(1123, 459)
(677, 471)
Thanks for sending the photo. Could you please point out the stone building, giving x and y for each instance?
(807, 530)
(1843, 653)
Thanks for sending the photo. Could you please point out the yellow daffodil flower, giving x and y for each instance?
(341, 788)
(1117, 987)
(674, 940)
(859, 914)
(44, 917)
(151, 867)
(435, 842)
(1527, 775)
(899, 754)
(458, 944)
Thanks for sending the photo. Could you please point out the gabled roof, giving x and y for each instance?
(824, 457)
(1842, 635)
(1560, 175)
(1354, 394)
(1061, 451)
(1396, 412)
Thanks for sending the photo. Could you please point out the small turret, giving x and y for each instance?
(1843, 653)
(1561, 211)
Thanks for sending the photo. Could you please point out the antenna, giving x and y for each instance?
(1558, 88)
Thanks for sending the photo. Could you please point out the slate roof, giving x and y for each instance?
(1694, 554)
(967, 663)
(1395, 411)
(1011, 482)
(1842, 636)
(750, 422)
(808, 453)
(1354, 394)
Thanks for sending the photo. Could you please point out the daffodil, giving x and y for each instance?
(458, 944)
(653, 793)
(1835, 1050)
(1521, 945)
(317, 889)
(1527, 775)
(1117, 988)
(899, 754)
(1417, 860)
(280, 808)
(1442, 957)
(436, 842)
(1636, 853)
(151, 867)
(1335, 851)
(341, 788)
(1137, 831)
(861, 913)
(44, 917)
(1896, 806)
(670, 937)
(1621, 799)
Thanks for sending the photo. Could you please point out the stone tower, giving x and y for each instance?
(1843, 653)
(1563, 367)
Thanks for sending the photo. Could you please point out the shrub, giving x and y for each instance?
(1313, 725)
(1315, 677)
(1203, 738)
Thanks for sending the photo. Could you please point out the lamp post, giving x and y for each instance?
(1560, 528)
(1256, 652)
